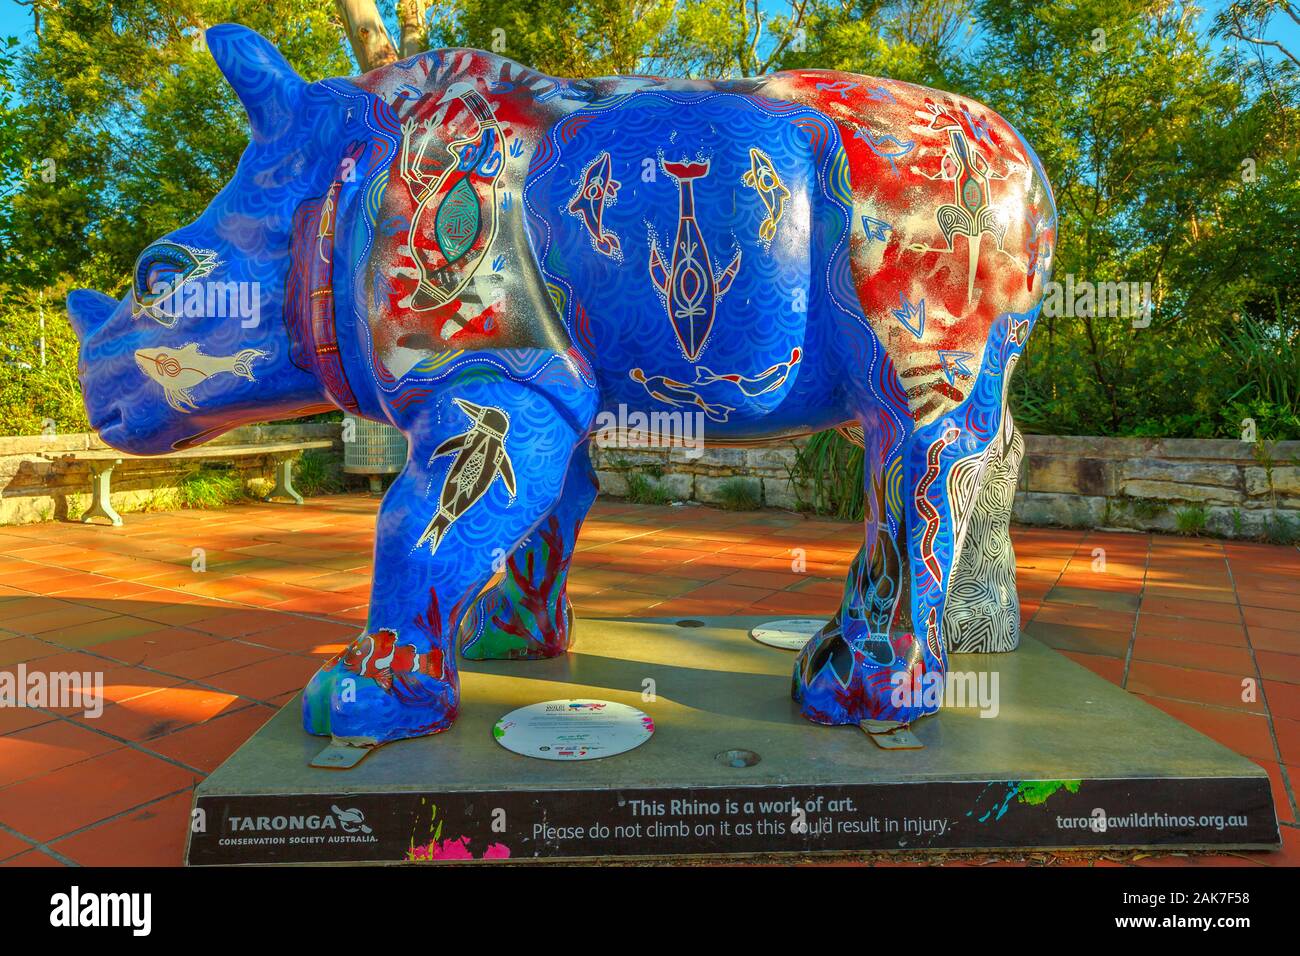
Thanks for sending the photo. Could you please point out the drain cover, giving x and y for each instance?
(738, 758)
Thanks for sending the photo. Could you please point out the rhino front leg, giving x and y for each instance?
(527, 615)
(487, 462)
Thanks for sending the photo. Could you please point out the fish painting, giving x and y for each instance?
(690, 289)
(762, 178)
(379, 657)
(481, 459)
(178, 371)
(768, 380)
(679, 395)
(598, 191)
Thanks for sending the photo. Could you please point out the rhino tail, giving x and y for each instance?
(243, 365)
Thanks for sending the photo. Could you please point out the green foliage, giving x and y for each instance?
(1279, 528)
(318, 473)
(1191, 520)
(1174, 162)
(126, 129)
(209, 488)
(832, 468)
(642, 490)
(37, 397)
(1171, 169)
(740, 494)
(1144, 508)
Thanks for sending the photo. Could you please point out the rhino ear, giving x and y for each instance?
(88, 310)
(265, 83)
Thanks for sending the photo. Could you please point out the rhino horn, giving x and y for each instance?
(88, 310)
(265, 83)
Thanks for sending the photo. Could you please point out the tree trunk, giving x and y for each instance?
(410, 14)
(371, 44)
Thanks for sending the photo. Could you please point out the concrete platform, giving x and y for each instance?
(1069, 760)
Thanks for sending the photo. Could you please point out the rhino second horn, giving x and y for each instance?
(265, 83)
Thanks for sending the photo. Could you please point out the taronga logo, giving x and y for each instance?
(290, 829)
(349, 821)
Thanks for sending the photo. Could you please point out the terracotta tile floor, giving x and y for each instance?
(195, 662)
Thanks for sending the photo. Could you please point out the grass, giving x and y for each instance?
(317, 473)
(1146, 508)
(210, 488)
(642, 490)
(740, 494)
(832, 467)
(1281, 529)
(1191, 520)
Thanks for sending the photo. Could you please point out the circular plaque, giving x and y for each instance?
(579, 729)
(790, 634)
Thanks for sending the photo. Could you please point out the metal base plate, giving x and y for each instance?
(1069, 760)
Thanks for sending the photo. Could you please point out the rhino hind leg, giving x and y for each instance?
(982, 614)
(847, 672)
(527, 615)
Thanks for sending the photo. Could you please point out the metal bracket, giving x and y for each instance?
(340, 755)
(284, 481)
(101, 472)
(890, 735)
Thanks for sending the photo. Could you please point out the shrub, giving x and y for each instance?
(1190, 520)
(210, 488)
(645, 491)
(317, 473)
(740, 494)
(37, 395)
(832, 467)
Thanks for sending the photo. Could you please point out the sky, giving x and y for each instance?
(16, 20)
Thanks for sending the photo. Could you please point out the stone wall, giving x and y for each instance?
(33, 488)
(1228, 488)
(1224, 487)
(765, 472)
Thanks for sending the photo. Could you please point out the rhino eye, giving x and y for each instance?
(160, 272)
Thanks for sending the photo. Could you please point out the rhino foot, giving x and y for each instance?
(365, 711)
(843, 679)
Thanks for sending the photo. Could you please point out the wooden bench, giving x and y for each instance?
(102, 461)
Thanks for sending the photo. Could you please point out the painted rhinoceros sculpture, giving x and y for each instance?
(497, 261)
